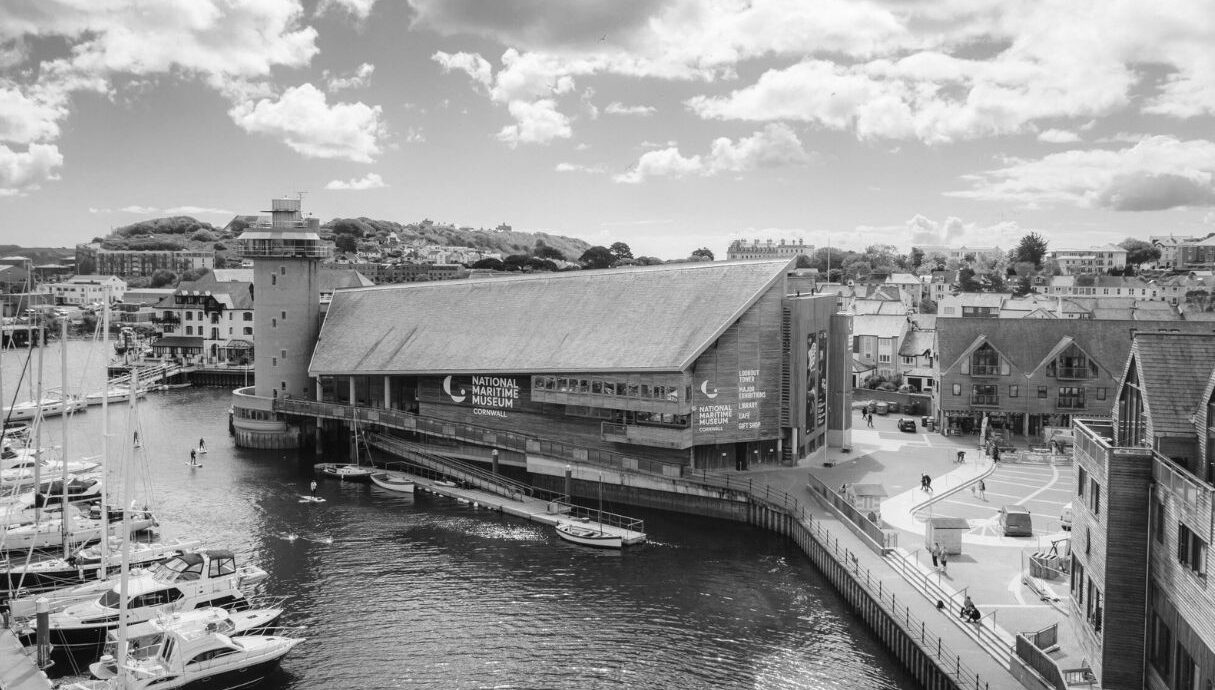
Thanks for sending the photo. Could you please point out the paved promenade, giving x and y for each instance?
(990, 567)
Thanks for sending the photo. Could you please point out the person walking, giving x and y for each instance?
(869, 420)
(935, 550)
(927, 484)
(982, 490)
(924, 483)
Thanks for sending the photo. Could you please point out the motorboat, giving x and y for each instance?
(50, 406)
(145, 638)
(90, 563)
(588, 533)
(189, 658)
(81, 616)
(393, 481)
(344, 471)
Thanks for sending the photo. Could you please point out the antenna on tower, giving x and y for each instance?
(300, 194)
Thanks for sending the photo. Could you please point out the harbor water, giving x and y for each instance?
(428, 592)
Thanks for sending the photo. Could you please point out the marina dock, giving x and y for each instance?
(19, 670)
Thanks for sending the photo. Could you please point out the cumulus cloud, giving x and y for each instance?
(536, 122)
(472, 64)
(357, 79)
(368, 181)
(618, 108)
(357, 9)
(1058, 136)
(25, 171)
(777, 145)
(303, 119)
(575, 167)
(1155, 173)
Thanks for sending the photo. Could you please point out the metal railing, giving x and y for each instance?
(884, 539)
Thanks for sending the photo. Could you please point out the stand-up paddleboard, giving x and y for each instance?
(311, 499)
(194, 465)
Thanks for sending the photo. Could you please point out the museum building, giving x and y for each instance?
(679, 366)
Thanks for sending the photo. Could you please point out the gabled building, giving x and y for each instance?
(877, 339)
(668, 368)
(1141, 604)
(84, 290)
(1031, 375)
(917, 362)
(1101, 286)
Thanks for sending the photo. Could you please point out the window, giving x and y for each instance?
(1081, 482)
(1191, 550)
(283, 385)
(1088, 541)
(248, 330)
(273, 279)
(985, 361)
(1071, 398)
(884, 358)
(1101, 393)
(274, 361)
(909, 360)
(1013, 391)
(189, 316)
(1094, 499)
(1161, 641)
(282, 270)
(1078, 582)
(957, 389)
(283, 316)
(248, 316)
(1157, 518)
(274, 323)
(1042, 392)
(282, 353)
(984, 394)
(1092, 609)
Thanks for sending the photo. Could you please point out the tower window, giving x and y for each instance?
(282, 270)
(273, 279)
(283, 315)
(283, 354)
(274, 323)
(274, 361)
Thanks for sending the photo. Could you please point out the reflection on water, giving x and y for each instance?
(400, 591)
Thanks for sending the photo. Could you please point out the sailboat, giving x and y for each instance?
(587, 533)
(350, 472)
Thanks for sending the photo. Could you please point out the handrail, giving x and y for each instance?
(495, 483)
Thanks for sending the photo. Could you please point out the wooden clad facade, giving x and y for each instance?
(757, 392)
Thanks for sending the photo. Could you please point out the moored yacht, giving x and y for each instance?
(88, 564)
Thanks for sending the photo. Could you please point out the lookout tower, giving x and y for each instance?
(286, 252)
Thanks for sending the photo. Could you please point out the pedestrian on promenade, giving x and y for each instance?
(924, 483)
(944, 561)
(995, 454)
(936, 554)
(869, 420)
(927, 484)
(961, 456)
(982, 490)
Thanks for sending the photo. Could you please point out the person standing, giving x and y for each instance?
(202, 445)
(312, 489)
(982, 490)
(961, 456)
(869, 420)
(927, 484)
(193, 457)
(936, 554)
(944, 561)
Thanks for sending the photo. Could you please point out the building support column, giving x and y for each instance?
(387, 394)
(350, 389)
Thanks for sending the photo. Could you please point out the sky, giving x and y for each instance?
(665, 124)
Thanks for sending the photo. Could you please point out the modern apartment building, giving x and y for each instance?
(1091, 260)
(785, 249)
(1141, 603)
(127, 263)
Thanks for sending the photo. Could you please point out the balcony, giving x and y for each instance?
(656, 436)
(1195, 498)
(1073, 373)
(1071, 404)
(985, 370)
(985, 400)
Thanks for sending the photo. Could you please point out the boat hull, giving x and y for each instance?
(589, 535)
(393, 482)
(347, 473)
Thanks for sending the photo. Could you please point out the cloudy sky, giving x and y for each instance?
(666, 124)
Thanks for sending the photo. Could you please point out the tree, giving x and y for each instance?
(916, 258)
(995, 282)
(1031, 248)
(620, 250)
(966, 280)
(537, 264)
(162, 278)
(597, 257)
(491, 264)
(515, 262)
(648, 261)
(543, 251)
(348, 244)
(1139, 251)
(702, 254)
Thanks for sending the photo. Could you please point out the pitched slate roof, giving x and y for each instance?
(1025, 342)
(1172, 376)
(656, 318)
(880, 325)
(918, 343)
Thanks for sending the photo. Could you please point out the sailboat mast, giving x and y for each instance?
(66, 521)
(125, 568)
(38, 428)
(105, 431)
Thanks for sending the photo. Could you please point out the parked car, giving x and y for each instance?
(1015, 522)
(893, 406)
(907, 424)
(881, 408)
(1065, 518)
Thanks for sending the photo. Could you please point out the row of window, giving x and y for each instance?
(1088, 490)
(246, 315)
(1191, 548)
(595, 386)
(629, 417)
(1183, 672)
(1086, 593)
(202, 330)
(1073, 397)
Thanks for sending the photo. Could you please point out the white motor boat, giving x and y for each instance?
(589, 534)
(89, 564)
(113, 394)
(145, 638)
(197, 658)
(19, 470)
(393, 481)
(191, 580)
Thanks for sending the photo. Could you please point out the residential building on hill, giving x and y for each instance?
(1101, 286)
(1144, 508)
(1169, 246)
(1029, 375)
(740, 249)
(991, 305)
(129, 263)
(917, 362)
(1196, 255)
(1093, 260)
(962, 253)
